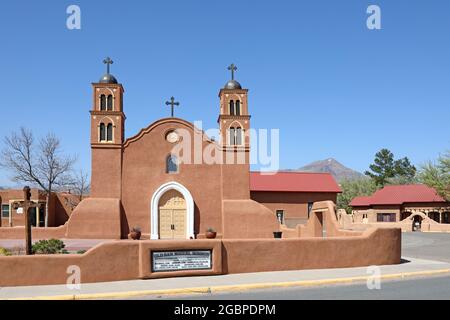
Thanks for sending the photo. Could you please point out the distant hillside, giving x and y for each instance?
(337, 169)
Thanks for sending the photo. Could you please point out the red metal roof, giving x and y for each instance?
(398, 195)
(361, 201)
(293, 182)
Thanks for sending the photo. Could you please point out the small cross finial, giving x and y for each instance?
(108, 62)
(172, 103)
(232, 68)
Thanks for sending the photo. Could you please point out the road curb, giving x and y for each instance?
(232, 288)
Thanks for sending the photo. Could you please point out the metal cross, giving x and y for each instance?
(108, 62)
(172, 103)
(232, 68)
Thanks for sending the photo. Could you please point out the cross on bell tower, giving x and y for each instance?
(172, 103)
(108, 62)
(232, 68)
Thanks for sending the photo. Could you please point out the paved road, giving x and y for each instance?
(412, 289)
(432, 246)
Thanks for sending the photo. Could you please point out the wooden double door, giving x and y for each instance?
(172, 216)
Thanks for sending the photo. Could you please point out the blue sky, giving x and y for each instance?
(314, 70)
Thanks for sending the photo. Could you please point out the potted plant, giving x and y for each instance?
(135, 233)
(277, 234)
(211, 233)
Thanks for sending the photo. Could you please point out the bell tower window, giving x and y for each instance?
(235, 136)
(238, 136)
(232, 131)
(102, 132)
(106, 132)
(102, 102)
(110, 103)
(109, 132)
(238, 107)
(232, 110)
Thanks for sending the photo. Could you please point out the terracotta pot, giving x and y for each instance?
(277, 234)
(135, 235)
(211, 234)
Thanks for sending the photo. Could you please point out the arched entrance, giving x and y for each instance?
(172, 216)
(417, 223)
(172, 212)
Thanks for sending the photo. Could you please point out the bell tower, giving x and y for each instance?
(234, 125)
(107, 135)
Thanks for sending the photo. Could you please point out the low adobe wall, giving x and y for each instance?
(427, 225)
(323, 222)
(128, 259)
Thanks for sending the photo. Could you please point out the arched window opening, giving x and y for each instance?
(238, 136)
(102, 102)
(110, 103)
(172, 164)
(109, 132)
(232, 110)
(232, 136)
(102, 132)
(238, 107)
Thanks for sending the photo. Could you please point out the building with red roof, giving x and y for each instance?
(398, 202)
(290, 194)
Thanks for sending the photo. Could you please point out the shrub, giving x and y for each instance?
(52, 246)
(81, 251)
(5, 252)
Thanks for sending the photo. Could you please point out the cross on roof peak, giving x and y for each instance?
(172, 103)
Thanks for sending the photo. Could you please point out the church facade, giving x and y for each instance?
(145, 181)
(139, 182)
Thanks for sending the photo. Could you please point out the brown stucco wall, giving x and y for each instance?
(95, 218)
(294, 204)
(244, 219)
(144, 171)
(127, 259)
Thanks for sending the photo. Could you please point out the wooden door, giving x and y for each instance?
(172, 216)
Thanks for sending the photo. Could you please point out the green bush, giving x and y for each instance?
(81, 251)
(52, 246)
(5, 252)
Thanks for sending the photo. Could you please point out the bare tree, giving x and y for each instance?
(43, 165)
(81, 184)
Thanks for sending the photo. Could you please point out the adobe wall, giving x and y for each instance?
(244, 219)
(127, 259)
(294, 204)
(375, 247)
(144, 171)
(95, 218)
(323, 222)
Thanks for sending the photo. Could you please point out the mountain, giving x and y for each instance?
(337, 169)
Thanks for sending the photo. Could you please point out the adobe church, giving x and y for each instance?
(138, 182)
